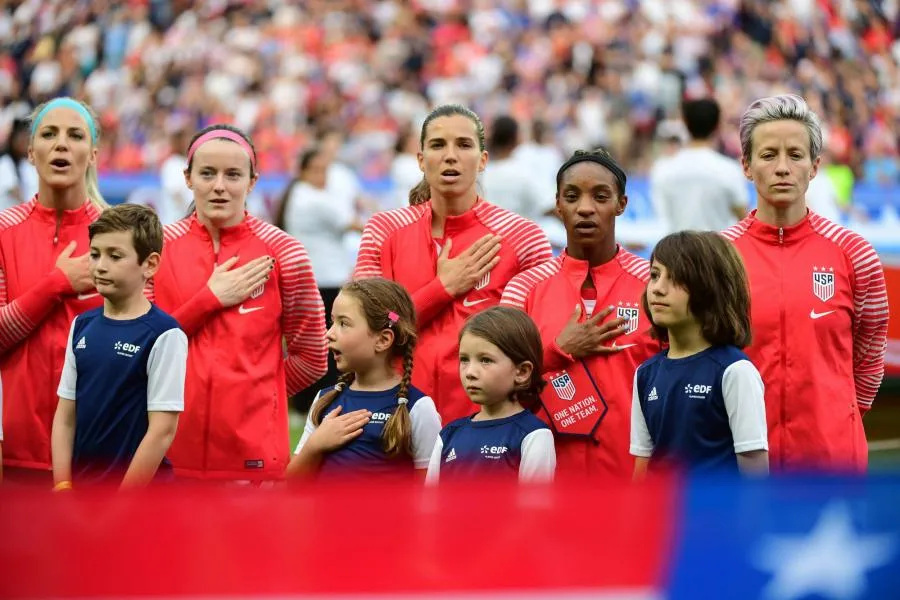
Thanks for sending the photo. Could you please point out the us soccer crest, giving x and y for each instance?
(631, 313)
(258, 291)
(563, 386)
(823, 283)
(482, 283)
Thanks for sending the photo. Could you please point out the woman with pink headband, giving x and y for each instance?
(45, 280)
(244, 293)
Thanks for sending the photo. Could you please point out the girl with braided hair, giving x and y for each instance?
(373, 421)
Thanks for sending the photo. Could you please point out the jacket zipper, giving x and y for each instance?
(783, 350)
(56, 230)
(209, 385)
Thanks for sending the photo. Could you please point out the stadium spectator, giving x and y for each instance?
(45, 280)
(698, 188)
(18, 179)
(819, 306)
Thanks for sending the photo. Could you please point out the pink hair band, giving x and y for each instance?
(227, 135)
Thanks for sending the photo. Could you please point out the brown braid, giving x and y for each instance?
(318, 411)
(420, 194)
(397, 434)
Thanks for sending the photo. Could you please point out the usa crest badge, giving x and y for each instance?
(482, 283)
(258, 291)
(823, 283)
(631, 313)
(563, 386)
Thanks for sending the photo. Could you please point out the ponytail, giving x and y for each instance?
(319, 408)
(420, 194)
(92, 185)
(397, 434)
(283, 203)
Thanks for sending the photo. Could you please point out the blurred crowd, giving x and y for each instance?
(593, 72)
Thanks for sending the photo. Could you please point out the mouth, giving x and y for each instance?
(336, 353)
(472, 389)
(658, 305)
(60, 163)
(783, 186)
(218, 201)
(585, 226)
(450, 175)
(100, 281)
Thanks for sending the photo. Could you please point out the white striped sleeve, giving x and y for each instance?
(166, 371)
(870, 304)
(744, 395)
(538, 457)
(426, 428)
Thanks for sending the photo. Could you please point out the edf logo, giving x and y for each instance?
(126, 349)
(493, 450)
(697, 390)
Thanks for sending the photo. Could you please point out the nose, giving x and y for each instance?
(329, 335)
(219, 183)
(657, 288)
(450, 154)
(781, 166)
(469, 371)
(585, 206)
(100, 265)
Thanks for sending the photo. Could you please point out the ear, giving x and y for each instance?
(523, 373)
(384, 340)
(151, 265)
(745, 165)
(621, 203)
(253, 181)
(483, 162)
(31, 154)
(420, 158)
(815, 167)
(187, 179)
(93, 160)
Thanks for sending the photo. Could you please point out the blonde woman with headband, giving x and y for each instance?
(44, 280)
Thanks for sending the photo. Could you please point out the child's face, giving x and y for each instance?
(354, 345)
(668, 301)
(115, 268)
(486, 373)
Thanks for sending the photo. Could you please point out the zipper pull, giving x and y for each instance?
(781, 235)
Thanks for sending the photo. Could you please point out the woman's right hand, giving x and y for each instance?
(336, 429)
(461, 274)
(77, 269)
(233, 286)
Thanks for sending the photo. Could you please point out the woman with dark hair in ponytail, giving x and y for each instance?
(244, 293)
(373, 422)
(451, 249)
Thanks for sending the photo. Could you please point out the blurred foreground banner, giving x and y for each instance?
(781, 539)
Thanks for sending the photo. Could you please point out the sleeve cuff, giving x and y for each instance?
(555, 358)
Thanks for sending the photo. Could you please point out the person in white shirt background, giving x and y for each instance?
(175, 197)
(542, 158)
(405, 171)
(698, 188)
(310, 211)
(18, 177)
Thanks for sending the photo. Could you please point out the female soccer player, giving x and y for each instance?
(388, 427)
(586, 305)
(699, 403)
(244, 293)
(45, 280)
(819, 303)
(452, 250)
(500, 370)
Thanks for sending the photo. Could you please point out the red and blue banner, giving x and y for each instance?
(774, 538)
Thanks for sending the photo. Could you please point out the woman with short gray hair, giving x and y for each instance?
(819, 303)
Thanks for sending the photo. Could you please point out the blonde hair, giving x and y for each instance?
(91, 182)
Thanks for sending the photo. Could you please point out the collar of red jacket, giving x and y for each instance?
(225, 233)
(779, 235)
(576, 270)
(86, 213)
(456, 224)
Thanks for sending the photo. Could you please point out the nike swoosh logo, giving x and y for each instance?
(814, 315)
(467, 303)
(245, 311)
(622, 347)
(88, 296)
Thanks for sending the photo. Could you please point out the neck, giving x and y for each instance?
(68, 198)
(781, 216)
(595, 254)
(498, 410)
(707, 143)
(130, 307)
(502, 154)
(442, 207)
(686, 340)
(214, 228)
(376, 378)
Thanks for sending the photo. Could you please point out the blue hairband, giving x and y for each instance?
(66, 103)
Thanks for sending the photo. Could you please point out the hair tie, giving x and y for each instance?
(393, 318)
(339, 386)
(401, 401)
(66, 102)
(225, 134)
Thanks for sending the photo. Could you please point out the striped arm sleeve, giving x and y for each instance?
(870, 305)
(532, 245)
(21, 316)
(303, 316)
(368, 258)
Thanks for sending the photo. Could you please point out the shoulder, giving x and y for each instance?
(177, 230)
(651, 363)
(737, 231)
(854, 246)
(383, 224)
(281, 243)
(506, 223)
(452, 426)
(521, 285)
(527, 422)
(634, 265)
(415, 394)
(725, 356)
(15, 215)
(88, 316)
(162, 321)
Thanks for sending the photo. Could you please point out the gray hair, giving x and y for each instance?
(779, 108)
